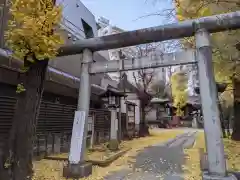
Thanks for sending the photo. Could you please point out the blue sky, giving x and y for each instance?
(123, 13)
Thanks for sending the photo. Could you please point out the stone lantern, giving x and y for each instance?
(111, 97)
(220, 89)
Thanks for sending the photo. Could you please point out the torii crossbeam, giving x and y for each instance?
(212, 24)
(145, 62)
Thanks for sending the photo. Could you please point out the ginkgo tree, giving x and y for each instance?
(225, 54)
(33, 38)
(32, 32)
(179, 91)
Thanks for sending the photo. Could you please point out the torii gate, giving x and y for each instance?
(202, 56)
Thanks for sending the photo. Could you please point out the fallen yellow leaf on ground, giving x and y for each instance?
(52, 170)
(192, 168)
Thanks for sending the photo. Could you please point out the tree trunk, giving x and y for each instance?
(16, 162)
(222, 120)
(143, 128)
(236, 122)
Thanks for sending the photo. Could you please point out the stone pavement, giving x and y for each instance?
(162, 161)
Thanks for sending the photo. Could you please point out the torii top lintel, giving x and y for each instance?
(212, 24)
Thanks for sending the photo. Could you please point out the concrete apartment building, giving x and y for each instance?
(77, 23)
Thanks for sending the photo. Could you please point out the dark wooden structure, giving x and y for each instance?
(129, 128)
(112, 97)
(236, 112)
(131, 118)
(57, 108)
(163, 117)
(193, 104)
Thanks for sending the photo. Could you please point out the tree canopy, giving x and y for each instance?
(179, 91)
(32, 30)
(33, 37)
(159, 89)
(225, 54)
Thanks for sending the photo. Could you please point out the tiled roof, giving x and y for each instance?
(56, 75)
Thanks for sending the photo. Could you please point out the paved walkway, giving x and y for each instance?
(163, 161)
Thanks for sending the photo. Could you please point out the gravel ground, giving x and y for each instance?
(162, 161)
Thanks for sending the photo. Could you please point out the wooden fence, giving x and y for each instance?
(53, 132)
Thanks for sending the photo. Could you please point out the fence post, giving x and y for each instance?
(62, 142)
(212, 126)
(38, 146)
(46, 144)
(93, 131)
(53, 142)
(57, 143)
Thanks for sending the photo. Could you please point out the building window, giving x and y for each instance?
(87, 30)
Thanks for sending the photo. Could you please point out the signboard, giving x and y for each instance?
(77, 137)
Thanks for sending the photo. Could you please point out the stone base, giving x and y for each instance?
(113, 144)
(77, 171)
(206, 176)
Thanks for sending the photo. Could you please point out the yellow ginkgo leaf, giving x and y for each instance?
(32, 30)
(179, 93)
